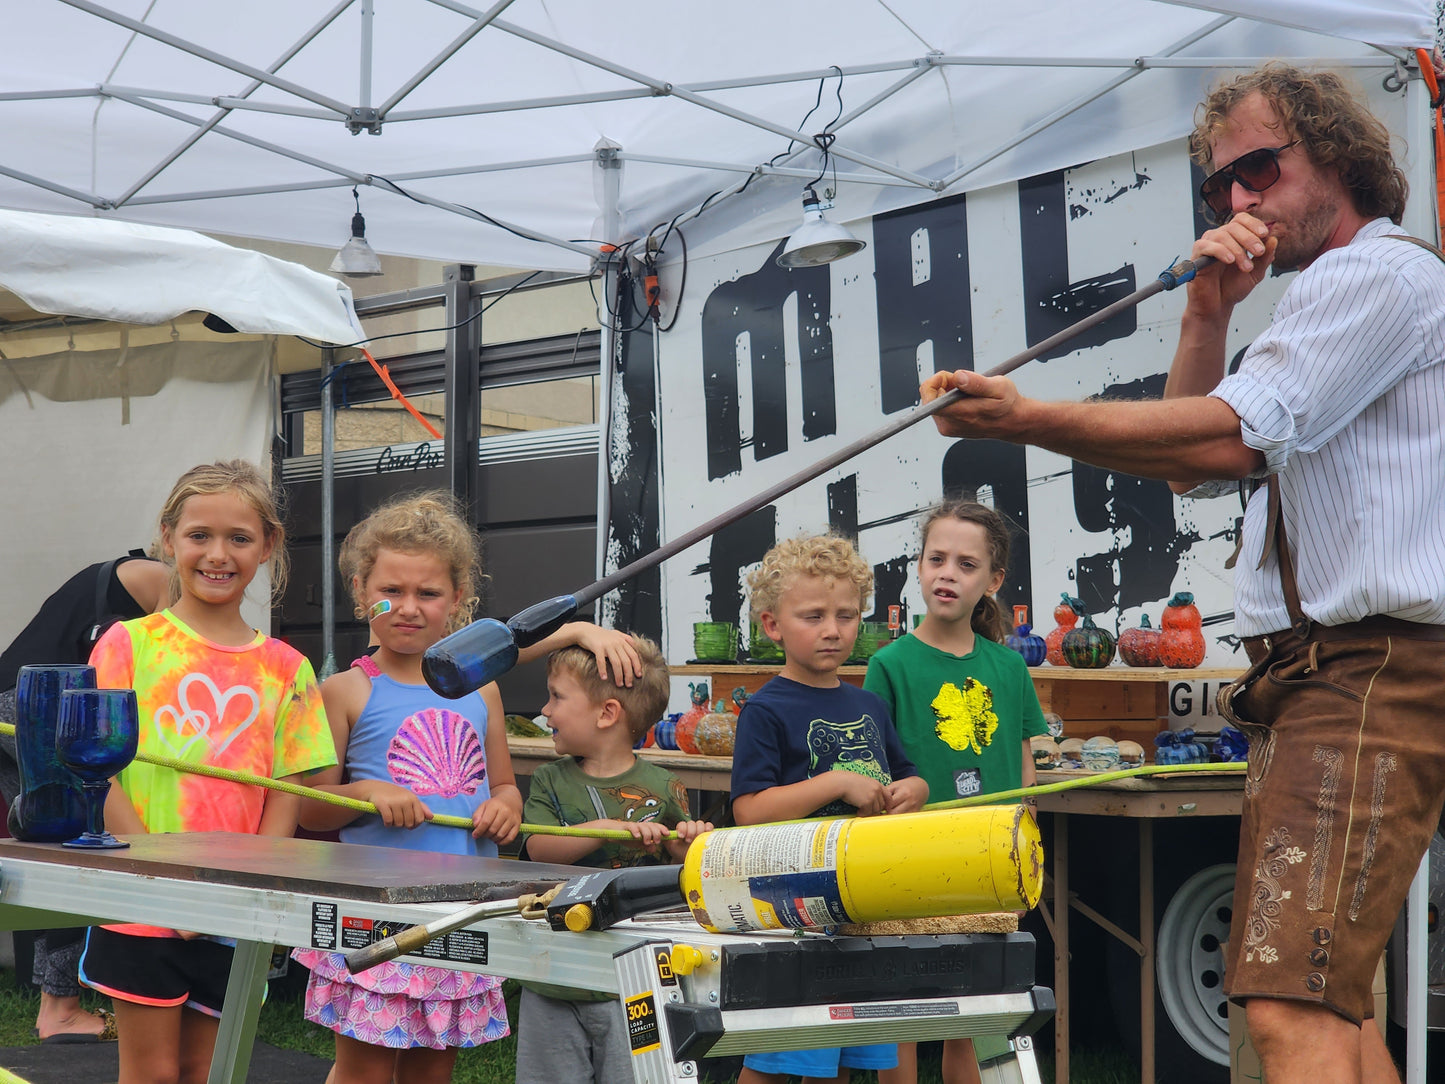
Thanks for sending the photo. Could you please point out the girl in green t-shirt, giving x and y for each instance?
(963, 704)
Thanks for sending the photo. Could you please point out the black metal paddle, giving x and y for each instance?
(486, 649)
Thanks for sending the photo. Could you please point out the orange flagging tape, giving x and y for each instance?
(396, 394)
(1427, 70)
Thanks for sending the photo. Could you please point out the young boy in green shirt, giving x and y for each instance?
(599, 782)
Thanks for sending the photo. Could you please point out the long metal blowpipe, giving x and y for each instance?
(485, 650)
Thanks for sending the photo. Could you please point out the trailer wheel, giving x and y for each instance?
(1189, 960)
(1193, 864)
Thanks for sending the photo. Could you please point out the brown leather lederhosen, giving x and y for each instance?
(1343, 792)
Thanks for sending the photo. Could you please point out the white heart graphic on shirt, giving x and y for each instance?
(198, 721)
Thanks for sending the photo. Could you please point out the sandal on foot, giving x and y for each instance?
(106, 1035)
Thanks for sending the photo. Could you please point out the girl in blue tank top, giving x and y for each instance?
(413, 567)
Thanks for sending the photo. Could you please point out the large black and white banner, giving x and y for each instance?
(767, 370)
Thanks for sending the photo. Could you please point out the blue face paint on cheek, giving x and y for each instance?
(381, 606)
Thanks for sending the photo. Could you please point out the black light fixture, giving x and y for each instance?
(817, 241)
(356, 259)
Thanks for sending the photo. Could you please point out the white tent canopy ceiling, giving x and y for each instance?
(524, 132)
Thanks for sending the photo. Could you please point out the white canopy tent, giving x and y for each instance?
(149, 275)
(148, 404)
(521, 133)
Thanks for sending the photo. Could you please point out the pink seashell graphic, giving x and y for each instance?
(436, 751)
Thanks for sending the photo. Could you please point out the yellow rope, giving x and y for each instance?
(446, 820)
(1002, 796)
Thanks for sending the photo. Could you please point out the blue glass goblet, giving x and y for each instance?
(95, 737)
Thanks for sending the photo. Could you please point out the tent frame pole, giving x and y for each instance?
(462, 427)
(609, 167)
(328, 516)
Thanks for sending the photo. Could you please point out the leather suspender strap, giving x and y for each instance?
(1423, 244)
(1302, 626)
(1274, 538)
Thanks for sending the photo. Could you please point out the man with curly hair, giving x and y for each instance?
(1339, 407)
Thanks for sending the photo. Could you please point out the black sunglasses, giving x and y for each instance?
(1256, 171)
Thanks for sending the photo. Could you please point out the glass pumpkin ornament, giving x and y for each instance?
(664, 732)
(1066, 616)
(716, 732)
(1181, 643)
(1140, 646)
(1088, 647)
(699, 693)
(1023, 640)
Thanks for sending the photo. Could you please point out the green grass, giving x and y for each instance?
(281, 1024)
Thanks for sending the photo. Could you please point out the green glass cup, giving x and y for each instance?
(715, 641)
(761, 647)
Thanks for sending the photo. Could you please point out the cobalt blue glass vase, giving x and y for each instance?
(50, 807)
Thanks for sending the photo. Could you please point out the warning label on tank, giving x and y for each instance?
(783, 877)
(800, 899)
(642, 1033)
(783, 848)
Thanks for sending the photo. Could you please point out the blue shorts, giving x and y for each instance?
(826, 1061)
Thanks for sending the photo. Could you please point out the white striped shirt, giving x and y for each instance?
(1345, 396)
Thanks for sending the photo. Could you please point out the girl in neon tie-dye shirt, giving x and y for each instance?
(213, 691)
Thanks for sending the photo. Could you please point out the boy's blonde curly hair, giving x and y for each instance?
(643, 702)
(829, 556)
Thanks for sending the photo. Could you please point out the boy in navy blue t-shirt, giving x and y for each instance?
(809, 744)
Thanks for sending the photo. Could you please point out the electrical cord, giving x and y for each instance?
(422, 331)
(823, 140)
(681, 286)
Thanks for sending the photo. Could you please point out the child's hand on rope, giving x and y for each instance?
(497, 819)
(398, 807)
(687, 831)
(649, 835)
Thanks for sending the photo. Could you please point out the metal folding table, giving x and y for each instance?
(686, 992)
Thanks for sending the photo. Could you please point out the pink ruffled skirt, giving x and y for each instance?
(401, 1005)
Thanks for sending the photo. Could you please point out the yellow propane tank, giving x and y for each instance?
(865, 869)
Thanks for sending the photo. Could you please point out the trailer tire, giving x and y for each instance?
(1189, 961)
(1192, 880)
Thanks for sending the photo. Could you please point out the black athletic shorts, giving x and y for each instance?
(160, 971)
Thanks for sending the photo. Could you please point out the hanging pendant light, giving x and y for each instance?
(356, 259)
(817, 241)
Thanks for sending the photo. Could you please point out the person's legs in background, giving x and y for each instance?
(56, 960)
